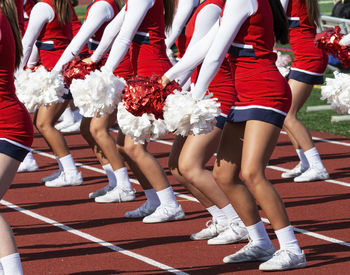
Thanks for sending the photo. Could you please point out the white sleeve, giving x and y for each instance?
(34, 57)
(134, 16)
(345, 41)
(109, 34)
(235, 13)
(40, 15)
(285, 4)
(183, 13)
(99, 13)
(205, 20)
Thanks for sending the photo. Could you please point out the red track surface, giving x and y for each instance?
(321, 208)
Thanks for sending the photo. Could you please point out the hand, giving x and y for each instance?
(345, 41)
(88, 60)
(165, 81)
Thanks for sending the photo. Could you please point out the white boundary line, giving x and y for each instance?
(94, 239)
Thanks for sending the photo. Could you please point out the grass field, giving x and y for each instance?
(319, 120)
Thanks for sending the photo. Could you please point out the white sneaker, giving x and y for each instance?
(212, 230)
(296, 171)
(250, 253)
(117, 194)
(28, 165)
(65, 179)
(75, 127)
(233, 233)
(143, 211)
(312, 174)
(283, 260)
(64, 124)
(100, 192)
(53, 176)
(165, 214)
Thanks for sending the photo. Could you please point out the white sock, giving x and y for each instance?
(1, 269)
(68, 164)
(167, 197)
(60, 167)
(287, 240)
(68, 115)
(152, 197)
(218, 215)
(29, 157)
(303, 159)
(112, 181)
(11, 264)
(232, 215)
(123, 178)
(313, 158)
(258, 235)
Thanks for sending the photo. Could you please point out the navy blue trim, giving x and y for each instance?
(45, 46)
(241, 52)
(26, 19)
(305, 78)
(141, 39)
(220, 121)
(269, 116)
(12, 150)
(293, 23)
(68, 95)
(92, 45)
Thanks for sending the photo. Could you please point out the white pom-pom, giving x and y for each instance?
(140, 128)
(185, 116)
(98, 94)
(282, 62)
(39, 88)
(337, 92)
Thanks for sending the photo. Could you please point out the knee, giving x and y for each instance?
(251, 177)
(42, 125)
(131, 150)
(189, 170)
(97, 131)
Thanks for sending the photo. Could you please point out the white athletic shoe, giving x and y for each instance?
(64, 124)
(233, 233)
(65, 179)
(283, 260)
(28, 165)
(117, 194)
(143, 211)
(212, 230)
(165, 214)
(100, 192)
(75, 127)
(250, 253)
(312, 174)
(296, 171)
(53, 176)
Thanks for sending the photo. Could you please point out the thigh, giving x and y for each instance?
(51, 113)
(8, 169)
(175, 152)
(300, 93)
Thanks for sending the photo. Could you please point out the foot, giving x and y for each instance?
(64, 124)
(164, 214)
(296, 171)
(28, 165)
(53, 176)
(117, 194)
(312, 174)
(100, 192)
(212, 230)
(75, 127)
(65, 179)
(250, 253)
(232, 234)
(283, 260)
(143, 211)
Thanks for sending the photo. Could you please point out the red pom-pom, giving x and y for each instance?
(146, 95)
(328, 41)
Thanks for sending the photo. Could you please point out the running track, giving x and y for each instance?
(61, 231)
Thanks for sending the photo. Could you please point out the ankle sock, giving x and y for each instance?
(68, 164)
(303, 160)
(313, 158)
(152, 197)
(286, 239)
(11, 264)
(123, 178)
(112, 181)
(258, 235)
(218, 215)
(232, 215)
(167, 197)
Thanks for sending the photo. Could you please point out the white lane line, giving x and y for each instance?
(94, 239)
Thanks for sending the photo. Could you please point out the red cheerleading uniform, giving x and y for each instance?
(262, 92)
(222, 85)
(309, 61)
(16, 126)
(148, 50)
(53, 39)
(124, 69)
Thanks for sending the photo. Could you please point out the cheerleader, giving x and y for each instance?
(16, 130)
(190, 154)
(307, 70)
(96, 130)
(142, 25)
(50, 26)
(250, 134)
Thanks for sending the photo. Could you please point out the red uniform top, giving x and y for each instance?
(15, 122)
(148, 50)
(222, 85)
(20, 16)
